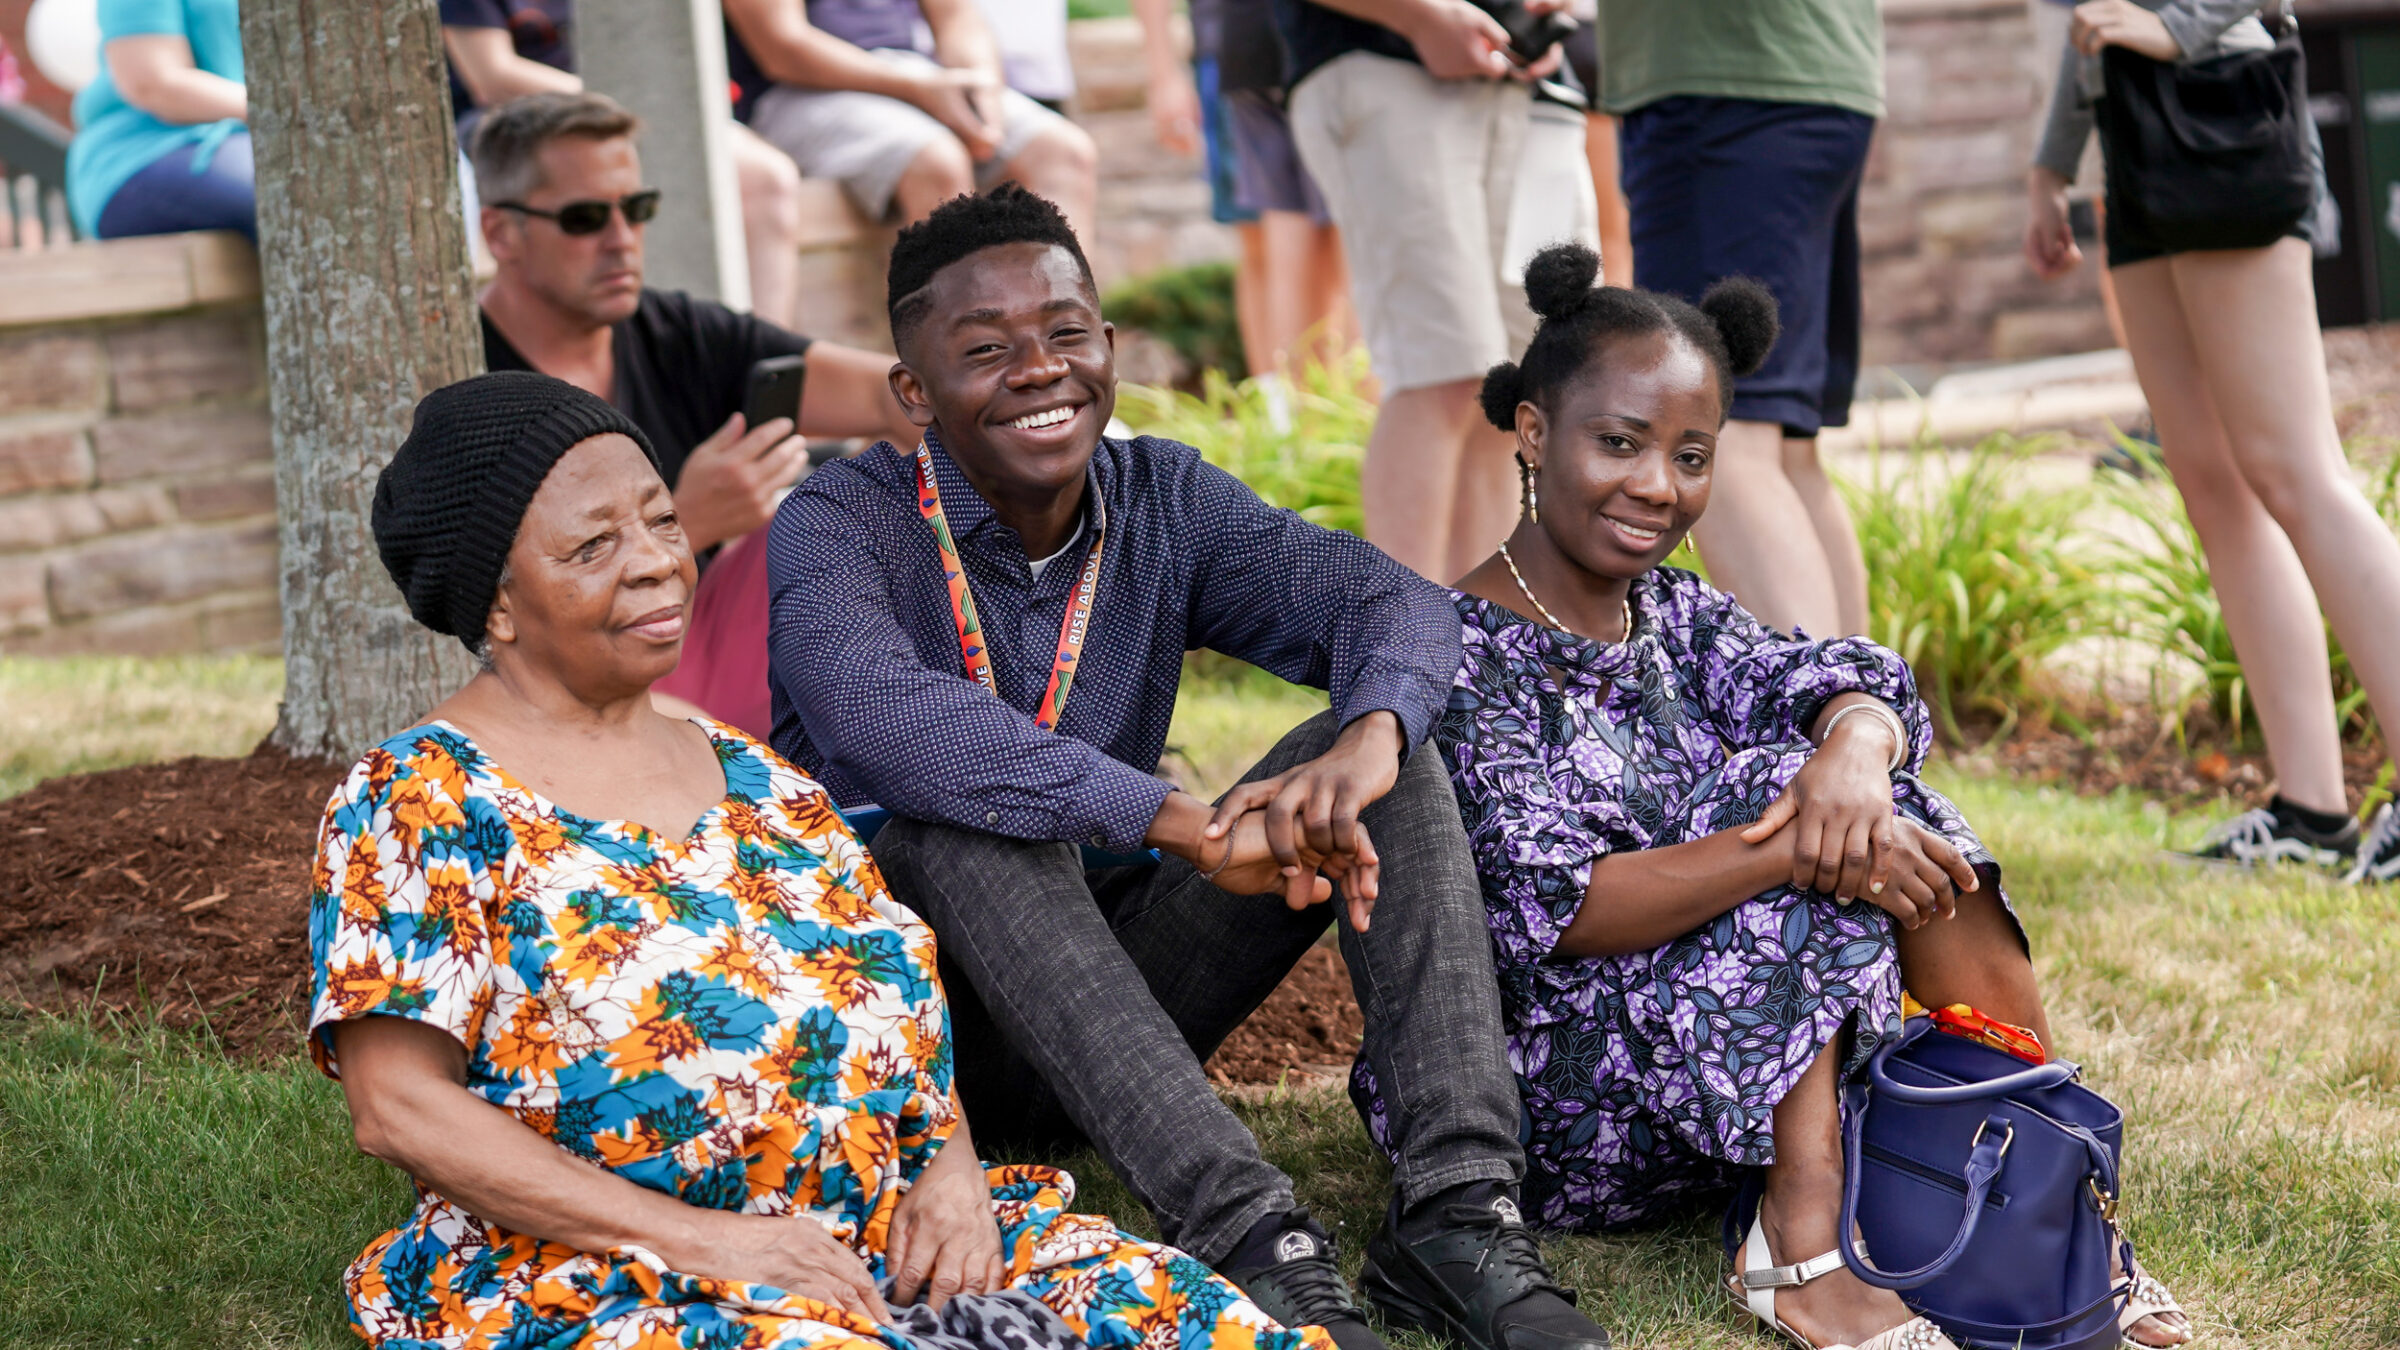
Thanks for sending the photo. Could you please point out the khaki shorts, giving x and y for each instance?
(866, 142)
(1419, 174)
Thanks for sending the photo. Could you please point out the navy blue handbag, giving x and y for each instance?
(1984, 1191)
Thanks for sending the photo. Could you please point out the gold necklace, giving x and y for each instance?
(1551, 618)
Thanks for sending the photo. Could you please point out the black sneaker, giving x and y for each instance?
(2379, 851)
(2266, 837)
(1288, 1270)
(1476, 1278)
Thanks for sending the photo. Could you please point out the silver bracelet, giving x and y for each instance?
(1890, 719)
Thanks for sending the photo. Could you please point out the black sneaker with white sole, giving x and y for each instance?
(2379, 852)
(2274, 835)
(1287, 1267)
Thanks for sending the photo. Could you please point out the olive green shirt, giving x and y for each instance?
(1783, 51)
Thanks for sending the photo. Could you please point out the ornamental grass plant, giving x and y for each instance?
(1297, 443)
(1976, 578)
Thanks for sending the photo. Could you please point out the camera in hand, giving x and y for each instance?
(1529, 34)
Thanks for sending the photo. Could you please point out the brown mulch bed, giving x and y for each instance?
(2133, 750)
(181, 889)
(1306, 1031)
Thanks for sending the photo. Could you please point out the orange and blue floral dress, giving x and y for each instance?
(743, 1019)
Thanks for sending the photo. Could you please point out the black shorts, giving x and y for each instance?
(1722, 187)
(2128, 238)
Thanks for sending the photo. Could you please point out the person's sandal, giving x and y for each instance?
(1755, 1278)
(2149, 1298)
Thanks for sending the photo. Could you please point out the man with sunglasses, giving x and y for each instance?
(504, 49)
(563, 209)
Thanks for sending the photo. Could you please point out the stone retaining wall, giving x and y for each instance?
(137, 494)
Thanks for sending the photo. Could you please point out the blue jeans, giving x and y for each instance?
(168, 197)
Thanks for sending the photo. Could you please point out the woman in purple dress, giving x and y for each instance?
(1707, 860)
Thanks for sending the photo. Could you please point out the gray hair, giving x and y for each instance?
(509, 140)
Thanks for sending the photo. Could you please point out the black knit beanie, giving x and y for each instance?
(448, 506)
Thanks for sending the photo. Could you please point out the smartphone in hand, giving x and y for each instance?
(775, 386)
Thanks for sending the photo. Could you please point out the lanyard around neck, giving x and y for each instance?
(972, 648)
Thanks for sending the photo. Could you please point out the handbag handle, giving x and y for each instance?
(2040, 1076)
(1992, 1139)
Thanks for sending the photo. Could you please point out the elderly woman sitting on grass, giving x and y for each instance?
(626, 996)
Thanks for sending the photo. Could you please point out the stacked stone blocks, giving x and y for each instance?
(137, 495)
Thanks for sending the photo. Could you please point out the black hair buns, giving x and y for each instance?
(1503, 390)
(1744, 312)
(1559, 279)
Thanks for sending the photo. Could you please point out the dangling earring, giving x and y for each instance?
(1533, 499)
(1686, 545)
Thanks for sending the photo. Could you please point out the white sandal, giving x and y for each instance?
(2148, 1299)
(1752, 1287)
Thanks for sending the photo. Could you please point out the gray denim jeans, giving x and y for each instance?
(1084, 1002)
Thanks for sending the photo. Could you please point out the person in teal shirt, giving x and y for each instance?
(161, 143)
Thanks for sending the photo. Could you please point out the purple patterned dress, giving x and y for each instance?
(1649, 1079)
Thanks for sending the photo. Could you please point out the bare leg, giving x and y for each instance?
(1485, 504)
(770, 225)
(1616, 221)
(2264, 360)
(1758, 537)
(1412, 470)
(1829, 516)
(1292, 289)
(1973, 958)
(1062, 164)
(2270, 611)
(939, 172)
(1332, 321)
(1802, 1213)
(1251, 280)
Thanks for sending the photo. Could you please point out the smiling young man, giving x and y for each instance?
(984, 633)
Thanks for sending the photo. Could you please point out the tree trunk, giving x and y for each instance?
(369, 305)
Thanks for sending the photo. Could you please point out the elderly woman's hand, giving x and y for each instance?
(945, 1240)
(792, 1252)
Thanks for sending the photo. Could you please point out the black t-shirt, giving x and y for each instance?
(541, 30)
(683, 367)
(1314, 35)
(1249, 53)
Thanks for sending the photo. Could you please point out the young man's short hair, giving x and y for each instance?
(969, 223)
(509, 140)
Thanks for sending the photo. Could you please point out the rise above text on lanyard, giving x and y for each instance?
(971, 647)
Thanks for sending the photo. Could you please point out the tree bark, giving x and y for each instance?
(369, 306)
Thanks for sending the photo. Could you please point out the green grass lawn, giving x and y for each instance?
(152, 1193)
(79, 714)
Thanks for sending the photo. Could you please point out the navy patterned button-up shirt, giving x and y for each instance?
(871, 695)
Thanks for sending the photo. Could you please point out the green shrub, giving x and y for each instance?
(1296, 445)
(1974, 580)
(1188, 308)
(2166, 600)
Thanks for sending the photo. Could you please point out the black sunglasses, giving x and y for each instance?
(592, 217)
